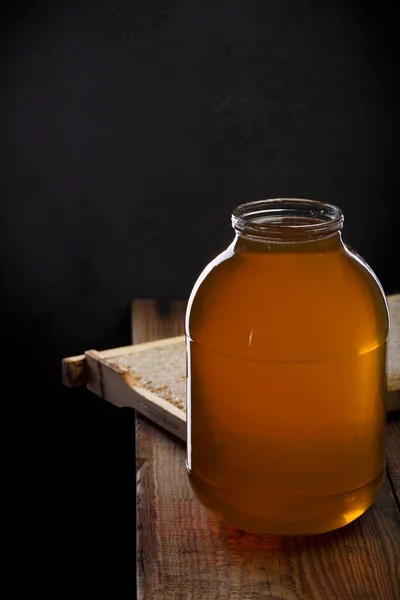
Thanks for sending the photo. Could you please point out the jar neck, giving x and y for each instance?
(248, 245)
(288, 221)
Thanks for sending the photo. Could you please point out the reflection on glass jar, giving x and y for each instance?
(286, 340)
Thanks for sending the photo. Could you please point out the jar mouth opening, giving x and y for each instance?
(287, 219)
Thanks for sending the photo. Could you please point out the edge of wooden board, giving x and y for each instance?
(116, 385)
(73, 371)
(73, 367)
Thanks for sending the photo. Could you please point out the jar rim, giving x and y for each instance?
(287, 219)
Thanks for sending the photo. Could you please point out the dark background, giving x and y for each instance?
(128, 131)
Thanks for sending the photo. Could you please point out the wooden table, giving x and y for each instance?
(184, 553)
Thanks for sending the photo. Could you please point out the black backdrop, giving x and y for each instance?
(131, 128)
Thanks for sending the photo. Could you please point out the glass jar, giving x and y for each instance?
(286, 345)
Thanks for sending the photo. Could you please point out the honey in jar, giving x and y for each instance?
(286, 348)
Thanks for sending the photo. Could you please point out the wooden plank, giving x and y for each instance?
(184, 552)
(393, 455)
(73, 371)
(392, 401)
(116, 385)
(394, 343)
(162, 320)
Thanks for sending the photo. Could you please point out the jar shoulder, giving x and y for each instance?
(281, 296)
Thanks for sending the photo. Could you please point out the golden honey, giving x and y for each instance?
(286, 340)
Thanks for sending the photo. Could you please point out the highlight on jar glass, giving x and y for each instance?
(286, 351)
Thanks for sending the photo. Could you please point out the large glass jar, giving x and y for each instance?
(286, 342)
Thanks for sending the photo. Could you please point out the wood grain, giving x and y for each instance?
(393, 455)
(154, 320)
(184, 553)
(394, 343)
(73, 371)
